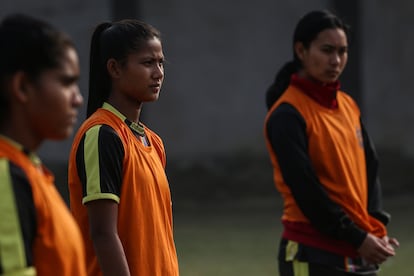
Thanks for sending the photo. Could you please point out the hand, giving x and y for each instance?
(391, 242)
(376, 250)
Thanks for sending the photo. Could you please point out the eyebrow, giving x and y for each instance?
(334, 46)
(69, 78)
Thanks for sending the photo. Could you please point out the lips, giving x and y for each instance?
(333, 72)
(73, 118)
(155, 87)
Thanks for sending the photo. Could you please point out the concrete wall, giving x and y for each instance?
(222, 55)
(388, 73)
(77, 18)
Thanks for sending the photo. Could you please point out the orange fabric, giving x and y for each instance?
(58, 246)
(336, 151)
(145, 211)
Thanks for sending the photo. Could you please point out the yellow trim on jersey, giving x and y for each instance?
(12, 142)
(139, 128)
(12, 250)
(32, 155)
(109, 107)
(291, 250)
(300, 268)
(100, 196)
(29, 271)
(91, 156)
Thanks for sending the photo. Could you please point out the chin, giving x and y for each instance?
(62, 134)
(154, 98)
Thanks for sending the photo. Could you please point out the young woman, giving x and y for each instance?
(119, 192)
(39, 98)
(324, 164)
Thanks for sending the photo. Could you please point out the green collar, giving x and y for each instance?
(32, 155)
(137, 127)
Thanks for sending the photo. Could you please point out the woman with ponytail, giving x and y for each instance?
(324, 164)
(119, 193)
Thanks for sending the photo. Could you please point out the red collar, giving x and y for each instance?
(324, 94)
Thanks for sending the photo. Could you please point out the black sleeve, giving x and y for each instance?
(286, 129)
(108, 162)
(374, 185)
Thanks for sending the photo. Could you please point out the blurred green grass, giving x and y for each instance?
(241, 237)
(228, 223)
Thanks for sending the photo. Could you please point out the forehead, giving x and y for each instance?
(67, 63)
(70, 61)
(151, 47)
(334, 37)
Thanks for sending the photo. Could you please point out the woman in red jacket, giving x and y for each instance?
(324, 164)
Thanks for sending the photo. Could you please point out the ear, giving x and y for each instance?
(19, 86)
(299, 50)
(113, 68)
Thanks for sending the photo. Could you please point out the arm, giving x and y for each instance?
(103, 216)
(100, 164)
(287, 135)
(374, 186)
(375, 195)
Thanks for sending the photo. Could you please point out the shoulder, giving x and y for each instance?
(103, 136)
(345, 97)
(10, 171)
(286, 113)
(16, 185)
(348, 104)
(97, 119)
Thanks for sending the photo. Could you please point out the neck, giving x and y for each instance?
(21, 135)
(131, 110)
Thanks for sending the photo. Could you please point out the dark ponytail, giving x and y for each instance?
(99, 82)
(281, 82)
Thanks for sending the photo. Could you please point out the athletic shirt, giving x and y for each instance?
(38, 235)
(335, 149)
(137, 182)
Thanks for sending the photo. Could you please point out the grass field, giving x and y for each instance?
(241, 237)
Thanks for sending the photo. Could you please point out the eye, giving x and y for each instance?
(153, 62)
(69, 80)
(148, 62)
(343, 51)
(327, 49)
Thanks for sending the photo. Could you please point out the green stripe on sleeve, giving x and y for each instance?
(91, 155)
(88, 198)
(12, 252)
(29, 271)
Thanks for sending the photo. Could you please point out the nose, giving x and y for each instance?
(335, 59)
(158, 71)
(77, 99)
